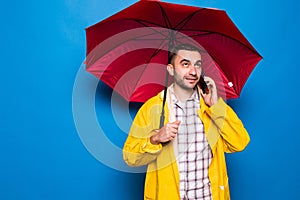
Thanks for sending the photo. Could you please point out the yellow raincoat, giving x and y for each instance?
(224, 132)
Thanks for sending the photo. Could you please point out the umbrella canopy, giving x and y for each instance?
(129, 50)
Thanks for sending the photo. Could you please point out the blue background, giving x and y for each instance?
(41, 154)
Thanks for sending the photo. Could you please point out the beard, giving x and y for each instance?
(186, 83)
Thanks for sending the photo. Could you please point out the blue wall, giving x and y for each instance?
(43, 155)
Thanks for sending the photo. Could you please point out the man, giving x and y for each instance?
(185, 157)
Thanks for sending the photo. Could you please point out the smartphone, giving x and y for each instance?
(202, 84)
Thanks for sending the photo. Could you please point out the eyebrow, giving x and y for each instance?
(186, 60)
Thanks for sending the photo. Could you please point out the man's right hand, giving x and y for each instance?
(167, 133)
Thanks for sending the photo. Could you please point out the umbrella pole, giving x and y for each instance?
(162, 116)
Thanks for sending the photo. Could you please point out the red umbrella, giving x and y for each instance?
(129, 50)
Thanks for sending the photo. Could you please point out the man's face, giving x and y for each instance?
(186, 69)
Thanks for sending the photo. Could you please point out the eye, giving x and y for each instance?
(198, 65)
(185, 64)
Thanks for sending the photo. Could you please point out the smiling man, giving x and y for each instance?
(185, 157)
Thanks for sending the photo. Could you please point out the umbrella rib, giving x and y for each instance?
(153, 28)
(166, 19)
(148, 61)
(164, 15)
(186, 20)
(189, 17)
(208, 32)
(142, 22)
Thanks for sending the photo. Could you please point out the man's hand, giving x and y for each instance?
(166, 133)
(212, 97)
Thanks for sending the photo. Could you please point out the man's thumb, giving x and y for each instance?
(177, 122)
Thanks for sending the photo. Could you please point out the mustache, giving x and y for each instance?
(192, 77)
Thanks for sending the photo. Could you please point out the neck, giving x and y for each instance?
(182, 94)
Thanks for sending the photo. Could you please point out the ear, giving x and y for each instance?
(170, 69)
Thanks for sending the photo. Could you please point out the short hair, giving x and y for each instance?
(173, 52)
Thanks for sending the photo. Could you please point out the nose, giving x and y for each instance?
(193, 70)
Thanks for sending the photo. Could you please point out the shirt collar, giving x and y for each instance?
(194, 97)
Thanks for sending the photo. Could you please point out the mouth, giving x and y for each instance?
(192, 79)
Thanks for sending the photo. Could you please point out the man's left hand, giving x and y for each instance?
(211, 97)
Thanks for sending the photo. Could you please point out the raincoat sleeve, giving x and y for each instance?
(228, 126)
(138, 150)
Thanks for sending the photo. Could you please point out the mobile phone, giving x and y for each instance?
(203, 84)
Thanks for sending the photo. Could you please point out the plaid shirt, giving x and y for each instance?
(194, 153)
